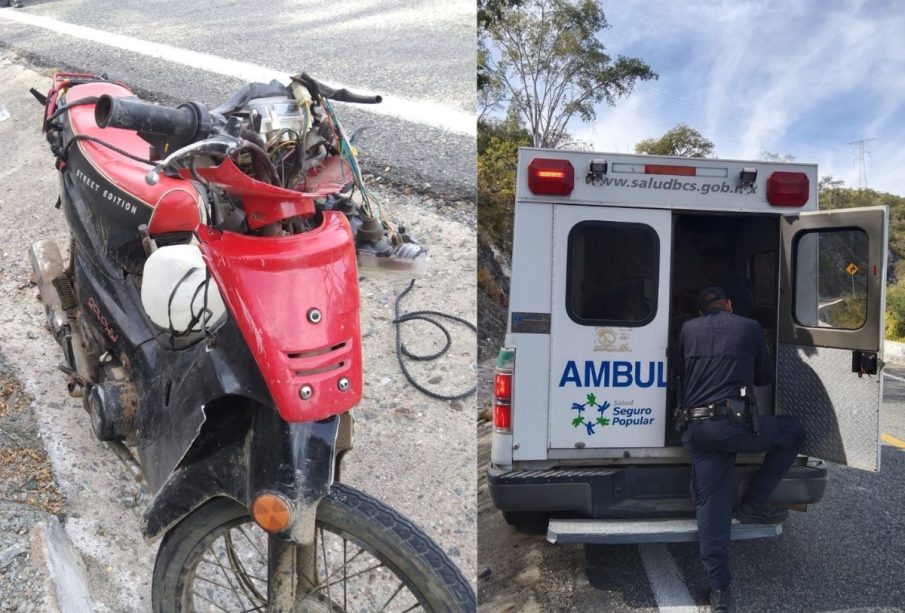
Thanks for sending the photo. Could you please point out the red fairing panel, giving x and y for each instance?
(174, 213)
(126, 174)
(265, 204)
(270, 286)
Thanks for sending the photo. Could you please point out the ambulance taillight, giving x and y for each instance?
(788, 189)
(547, 177)
(502, 400)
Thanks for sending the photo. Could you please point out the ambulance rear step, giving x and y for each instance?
(632, 531)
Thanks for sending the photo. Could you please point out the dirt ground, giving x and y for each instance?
(28, 495)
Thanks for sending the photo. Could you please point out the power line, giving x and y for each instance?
(861, 155)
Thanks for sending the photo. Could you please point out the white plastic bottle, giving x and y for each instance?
(172, 292)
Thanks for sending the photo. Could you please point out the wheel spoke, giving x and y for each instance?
(345, 578)
(327, 585)
(236, 590)
(238, 579)
(252, 542)
(387, 603)
(326, 564)
(224, 572)
(211, 581)
(222, 569)
(320, 583)
(203, 597)
(239, 569)
(261, 579)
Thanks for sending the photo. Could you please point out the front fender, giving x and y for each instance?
(296, 460)
(296, 301)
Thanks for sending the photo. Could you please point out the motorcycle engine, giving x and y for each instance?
(279, 117)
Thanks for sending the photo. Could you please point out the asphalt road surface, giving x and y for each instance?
(843, 554)
(419, 55)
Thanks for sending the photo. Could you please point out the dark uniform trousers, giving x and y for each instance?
(713, 445)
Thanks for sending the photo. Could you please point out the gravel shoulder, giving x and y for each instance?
(28, 496)
(414, 453)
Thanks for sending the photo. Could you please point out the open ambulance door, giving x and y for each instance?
(829, 359)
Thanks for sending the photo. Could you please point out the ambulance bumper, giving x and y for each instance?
(632, 491)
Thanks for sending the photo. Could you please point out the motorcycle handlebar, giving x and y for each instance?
(186, 122)
(339, 95)
(344, 95)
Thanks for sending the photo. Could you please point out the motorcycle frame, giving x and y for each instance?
(208, 425)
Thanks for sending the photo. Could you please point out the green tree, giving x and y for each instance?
(489, 12)
(828, 191)
(498, 144)
(550, 67)
(895, 313)
(682, 141)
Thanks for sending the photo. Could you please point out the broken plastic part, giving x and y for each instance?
(370, 231)
(407, 260)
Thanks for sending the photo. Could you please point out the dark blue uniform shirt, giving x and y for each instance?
(718, 354)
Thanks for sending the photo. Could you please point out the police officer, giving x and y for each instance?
(722, 354)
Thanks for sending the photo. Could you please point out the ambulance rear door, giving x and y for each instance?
(609, 328)
(832, 300)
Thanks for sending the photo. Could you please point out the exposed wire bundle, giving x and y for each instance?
(402, 351)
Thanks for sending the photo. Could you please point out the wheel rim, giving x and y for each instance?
(228, 572)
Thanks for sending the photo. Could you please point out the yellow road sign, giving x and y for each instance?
(851, 269)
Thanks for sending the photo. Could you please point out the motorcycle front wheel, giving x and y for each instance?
(368, 557)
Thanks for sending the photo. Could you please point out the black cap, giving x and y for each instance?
(709, 295)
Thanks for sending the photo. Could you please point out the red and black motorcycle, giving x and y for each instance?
(208, 311)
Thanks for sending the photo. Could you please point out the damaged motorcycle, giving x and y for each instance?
(208, 313)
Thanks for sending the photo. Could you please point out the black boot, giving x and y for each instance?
(760, 513)
(721, 601)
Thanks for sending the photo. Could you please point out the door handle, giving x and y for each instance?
(865, 363)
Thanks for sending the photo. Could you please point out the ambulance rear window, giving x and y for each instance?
(612, 274)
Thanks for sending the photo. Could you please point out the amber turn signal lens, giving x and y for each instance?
(271, 512)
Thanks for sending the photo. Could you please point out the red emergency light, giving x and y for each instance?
(502, 418)
(502, 386)
(548, 177)
(502, 402)
(788, 189)
(664, 169)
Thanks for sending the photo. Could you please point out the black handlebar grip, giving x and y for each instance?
(340, 95)
(147, 118)
(344, 95)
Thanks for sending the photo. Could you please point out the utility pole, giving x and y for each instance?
(861, 155)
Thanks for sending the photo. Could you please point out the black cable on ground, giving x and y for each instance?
(402, 352)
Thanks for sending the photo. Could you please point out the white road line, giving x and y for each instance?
(669, 589)
(889, 376)
(425, 112)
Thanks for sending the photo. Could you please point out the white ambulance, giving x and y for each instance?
(609, 254)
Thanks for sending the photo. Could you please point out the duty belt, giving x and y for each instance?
(710, 411)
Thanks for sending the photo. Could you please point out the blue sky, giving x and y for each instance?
(798, 77)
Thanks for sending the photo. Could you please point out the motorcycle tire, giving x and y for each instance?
(415, 561)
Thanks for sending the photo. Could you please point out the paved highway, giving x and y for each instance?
(420, 55)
